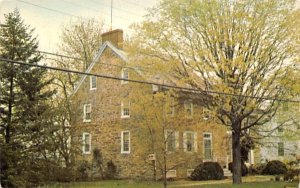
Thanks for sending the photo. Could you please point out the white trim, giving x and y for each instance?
(122, 110)
(189, 172)
(84, 112)
(122, 142)
(211, 145)
(194, 141)
(106, 44)
(83, 143)
(188, 105)
(123, 71)
(171, 174)
(91, 83)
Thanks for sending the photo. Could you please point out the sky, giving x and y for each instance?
(48, 17)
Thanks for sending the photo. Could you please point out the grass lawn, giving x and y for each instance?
(249, 182)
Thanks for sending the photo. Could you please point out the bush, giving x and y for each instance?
(111, 170)
(290, 175)
(244, 168)
(82, 171)
(208, 171)
(275, 167)
(258, 168)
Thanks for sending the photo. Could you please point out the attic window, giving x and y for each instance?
(124, 75)
(188, 105)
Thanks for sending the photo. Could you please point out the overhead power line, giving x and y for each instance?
(142, 82)
(50, 9)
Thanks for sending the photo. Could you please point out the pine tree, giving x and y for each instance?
(24, 102)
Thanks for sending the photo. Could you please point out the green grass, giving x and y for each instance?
(250, 182)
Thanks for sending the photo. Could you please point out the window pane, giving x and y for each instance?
(207, 149)
(170, 141)
(93, 82)
(125, 141)
(86, 143)
(280, 149)
(189, 141)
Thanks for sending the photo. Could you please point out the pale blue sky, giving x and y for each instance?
(48, 23)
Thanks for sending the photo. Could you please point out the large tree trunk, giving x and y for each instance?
(236, 152)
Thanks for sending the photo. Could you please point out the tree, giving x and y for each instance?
(239, 50)
(80, 40)
(24, 123)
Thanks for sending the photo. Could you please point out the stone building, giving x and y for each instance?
(132, 124)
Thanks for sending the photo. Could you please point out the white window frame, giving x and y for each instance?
(188, 105)
(85, 112)
(122, 142)
(206, 114)
(189, 172)
(91, 83)
(171, 107)
(194, 141)
(124, 76)
(171, 174)
(176, 139)
(211, 145)
(83, 143)
(122, 110)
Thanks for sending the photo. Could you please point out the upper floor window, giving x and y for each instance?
(87, 111)
(125, 142)
(280, 149)
(125, 109)
(190, 141)
(124, 75)
(207, 145)
(171, 106)
(86, 147)
(188, 106)
(93, 82)
(171, 140)
(206, 114)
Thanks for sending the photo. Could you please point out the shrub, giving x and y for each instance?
(111, 170)
(275, 167)
(244, 168)
(208, 171)
(258, 168)
(290, 175)
(82, 170)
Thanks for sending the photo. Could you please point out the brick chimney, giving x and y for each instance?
(115, 37)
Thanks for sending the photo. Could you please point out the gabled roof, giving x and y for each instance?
(107, 44)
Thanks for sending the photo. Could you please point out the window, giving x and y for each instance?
(171, 174)
(171, 140)
(285, 106)
(280, 128)
(87, 110)
(86, 138)
(93, 82)
(206, 114)
(280, 149)
(125, 142)
(189, 172)
(171, 107)
(125, 75)
(207, 145)
(190, 141)
(125, 109)
(188, 106)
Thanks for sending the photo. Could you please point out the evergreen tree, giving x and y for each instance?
(23, 121)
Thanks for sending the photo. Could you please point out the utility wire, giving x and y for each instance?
(79, 59)
(143, 82)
